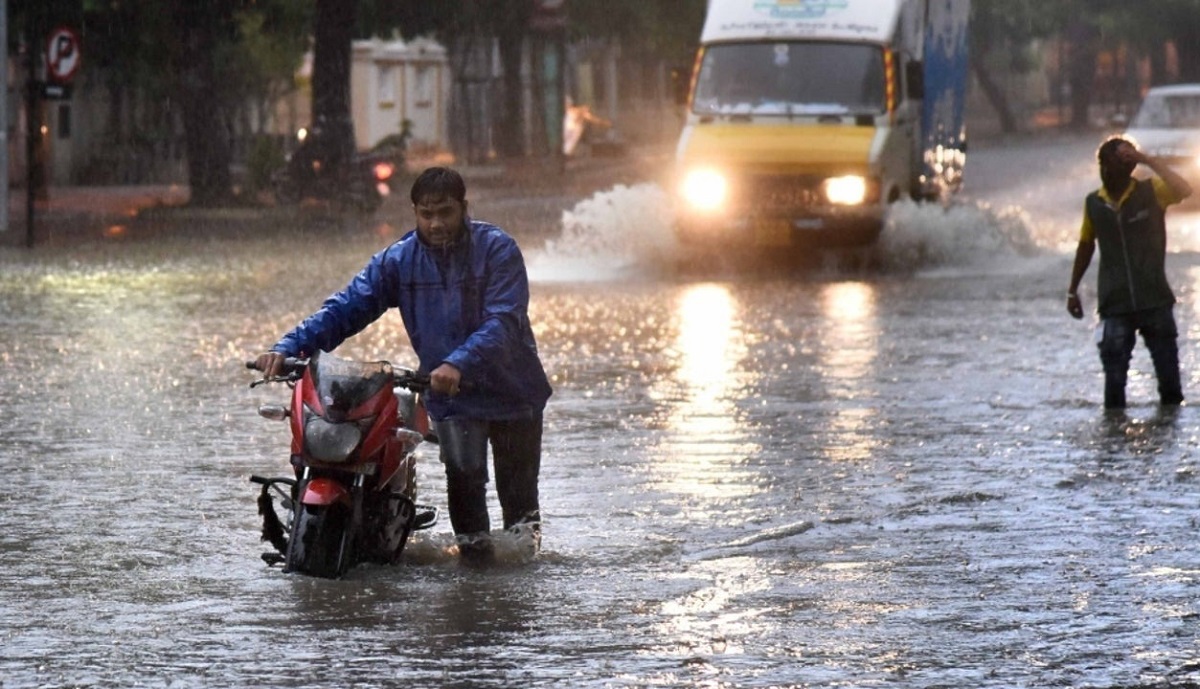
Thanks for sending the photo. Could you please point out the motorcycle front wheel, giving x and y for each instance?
(321, 542)
(389, 521)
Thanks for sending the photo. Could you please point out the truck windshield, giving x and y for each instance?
(1158, 111)
(791, 78)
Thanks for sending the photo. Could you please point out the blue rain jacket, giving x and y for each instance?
(467, 306)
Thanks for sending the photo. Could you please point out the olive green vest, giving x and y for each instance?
(1133, 252)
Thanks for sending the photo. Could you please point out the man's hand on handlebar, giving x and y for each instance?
(270, 363)
(445, 380)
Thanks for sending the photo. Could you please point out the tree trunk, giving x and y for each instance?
(1187, 42)
(1081, 71)
(333, 35)
(995, 96)
(537, 90)
(470, 66)
(206, 139)
(510, 142)
(511, 31)
(1158, 65)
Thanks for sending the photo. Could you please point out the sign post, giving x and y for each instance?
(4, 119)
(63, 59)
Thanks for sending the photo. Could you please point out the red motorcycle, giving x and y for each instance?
(355, 429)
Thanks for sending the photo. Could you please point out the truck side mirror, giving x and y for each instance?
(680, 81)
(914, 79)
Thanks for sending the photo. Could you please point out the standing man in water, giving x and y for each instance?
(1127, 217)
(461, 288)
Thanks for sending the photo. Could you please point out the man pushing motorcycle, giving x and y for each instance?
(463, 294)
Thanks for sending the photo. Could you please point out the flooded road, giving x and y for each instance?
(897, 475)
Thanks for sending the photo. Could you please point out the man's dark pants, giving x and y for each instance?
(1159, 332)
(517, 455)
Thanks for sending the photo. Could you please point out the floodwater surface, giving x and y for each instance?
(879, 470)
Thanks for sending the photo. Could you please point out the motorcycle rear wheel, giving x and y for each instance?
(362, 197)
(321, 542)
(286, 190)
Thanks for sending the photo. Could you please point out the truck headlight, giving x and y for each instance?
(850, 190)
(705, 189)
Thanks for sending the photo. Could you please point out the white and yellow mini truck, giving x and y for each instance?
(807, 118)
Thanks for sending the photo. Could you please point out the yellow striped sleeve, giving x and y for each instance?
(1164, 193)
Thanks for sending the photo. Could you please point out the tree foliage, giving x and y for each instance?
(1002, 31)
(1148, 27)
(665, 29)
(198, 61)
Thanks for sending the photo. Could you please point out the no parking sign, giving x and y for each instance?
(62, 54)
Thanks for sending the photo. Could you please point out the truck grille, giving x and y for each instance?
(776, 192)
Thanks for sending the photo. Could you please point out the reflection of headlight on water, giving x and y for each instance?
(705, 189)
(850, 190)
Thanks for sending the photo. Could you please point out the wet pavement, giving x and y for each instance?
(72, 214)
(880, 470)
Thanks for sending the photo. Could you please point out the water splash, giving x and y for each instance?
(923, 236)
(518, 545)
(626, 233)
(619, 233)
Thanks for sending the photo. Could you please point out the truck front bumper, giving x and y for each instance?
(827, 227)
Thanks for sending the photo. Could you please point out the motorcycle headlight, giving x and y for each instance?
(331, 442)
(850, 190)
(705, 189)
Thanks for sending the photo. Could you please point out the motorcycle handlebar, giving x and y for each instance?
(290, 363)
(411, 380)
(292, 368)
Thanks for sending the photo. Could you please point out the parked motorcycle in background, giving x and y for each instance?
(352, 499)
(324, 169)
